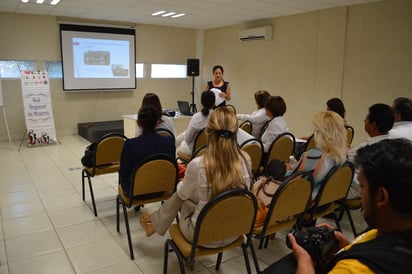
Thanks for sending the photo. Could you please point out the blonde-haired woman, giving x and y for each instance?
(206, 176)
(330, 150)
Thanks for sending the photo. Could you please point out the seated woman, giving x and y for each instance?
(139, 148)
(275, 108)
(206, 176)
(258, 118)
(186, 140)
(165, 121)
(330, 150)
(336, 105)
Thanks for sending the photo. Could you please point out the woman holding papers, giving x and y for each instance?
(220, 87)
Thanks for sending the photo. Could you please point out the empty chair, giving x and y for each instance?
(106, 159)
(154, 179)
(219, 219)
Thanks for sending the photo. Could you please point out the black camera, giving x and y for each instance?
(319, 242)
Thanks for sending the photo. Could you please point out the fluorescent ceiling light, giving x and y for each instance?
(54, 2)
(168, 14)
(24, 1)
(178, 15)
(39, 1)
(158, 12)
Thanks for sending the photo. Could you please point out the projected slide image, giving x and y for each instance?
(100, 58)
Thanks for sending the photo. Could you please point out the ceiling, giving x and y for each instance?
(200, 14)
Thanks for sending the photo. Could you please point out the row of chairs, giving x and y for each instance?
(220, 218)
(285, 210)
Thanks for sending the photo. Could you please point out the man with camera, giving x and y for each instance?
(386, 196)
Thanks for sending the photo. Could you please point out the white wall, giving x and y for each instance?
(362, 54)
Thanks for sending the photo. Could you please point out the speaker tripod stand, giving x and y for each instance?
(192, 106)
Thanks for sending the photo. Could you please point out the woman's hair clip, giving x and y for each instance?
(224, 133)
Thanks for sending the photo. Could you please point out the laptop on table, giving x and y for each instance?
(184, 108)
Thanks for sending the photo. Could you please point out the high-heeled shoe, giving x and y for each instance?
(147, 224)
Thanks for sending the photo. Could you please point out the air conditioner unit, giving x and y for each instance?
(261, 33)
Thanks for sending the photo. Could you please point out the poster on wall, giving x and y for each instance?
(38, 111)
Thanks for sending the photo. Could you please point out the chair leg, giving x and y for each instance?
(254, 257)
(166, 257)
(266, 241)
(129, 237)
(92, 195)
(337, 222)
(178, 255)
(261, 242)
(219, 260)
(118, 213)
(83, 176)
(351, 222)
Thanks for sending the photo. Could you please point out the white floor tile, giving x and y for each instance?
(72, 216)
(32, 245)
(26, 225)
(22, 210)
(56, 262)
(84, 233)
(96, 255)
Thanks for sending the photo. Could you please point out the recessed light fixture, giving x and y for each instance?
(158, 12)
(48, 2)
(178, 15)
(168, 14)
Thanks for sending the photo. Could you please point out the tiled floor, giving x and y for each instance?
(46, 228)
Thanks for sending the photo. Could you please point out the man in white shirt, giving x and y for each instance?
(378, 123)
(402, 128)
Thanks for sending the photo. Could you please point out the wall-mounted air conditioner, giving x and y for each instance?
(261, 33)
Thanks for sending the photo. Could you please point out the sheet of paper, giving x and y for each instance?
(218, 99)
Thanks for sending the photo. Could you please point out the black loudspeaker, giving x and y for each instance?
(192, 67)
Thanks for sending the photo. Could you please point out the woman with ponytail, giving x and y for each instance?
(186, 140)
(206, 176)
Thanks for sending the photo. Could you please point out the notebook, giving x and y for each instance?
(184, 108)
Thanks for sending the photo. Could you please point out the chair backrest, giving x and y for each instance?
(290, 200)
(282, 147)
(109, 149)
(200, 140)
(254, 148)
(310, 143)
(229, 214)
(350, 133)
(165, 132)
(246, 126)
(157, 173)
(232, 107)
(199, 152)
(335, 186)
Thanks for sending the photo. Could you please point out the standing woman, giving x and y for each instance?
(206, 177)
(219, 84)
